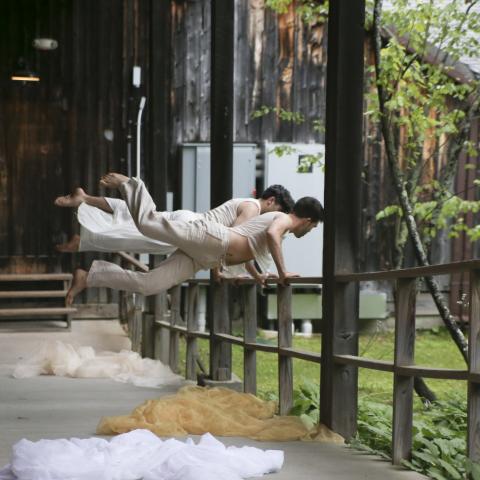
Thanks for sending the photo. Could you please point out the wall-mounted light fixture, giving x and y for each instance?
(23, 74)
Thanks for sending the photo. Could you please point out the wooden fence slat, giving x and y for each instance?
(220, 351)
(192, 326)
(473, 429)
(250, 335)
(159, 307)
(148, 335)
(285, 371)
(175, 299)
(403, 385)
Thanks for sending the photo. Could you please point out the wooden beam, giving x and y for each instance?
(343, 163)
(175, 299)
(250, 335)
(221, 137)
(158, 106)
(192, 326)
(285, 367)
(220, 351)
(403, 385)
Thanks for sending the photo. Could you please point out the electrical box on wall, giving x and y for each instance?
(196, 174)
(283, 166)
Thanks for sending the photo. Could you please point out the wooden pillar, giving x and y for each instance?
(222, 57)
(221, 161)
(158, 101)
(474, 368)
(403, 385)
(285, 370)
(192, 326)
(343, 162)
(176, 298)
(250, 335)
(220, 352)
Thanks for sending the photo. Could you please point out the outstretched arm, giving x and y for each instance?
(279, 227)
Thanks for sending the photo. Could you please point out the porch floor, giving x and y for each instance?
(55, 407)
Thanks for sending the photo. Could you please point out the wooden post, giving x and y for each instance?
(474, 368)
(222, 58)
(176, 297)
(221, 137)
(162, 335)
(250, 335)
(158, 306)
(192, 326)
(148, 335)
(343, 166)
(285, 371)
(403, 385)
(158, 121)
(220, 352)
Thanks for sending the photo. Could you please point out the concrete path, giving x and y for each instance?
(54, 407)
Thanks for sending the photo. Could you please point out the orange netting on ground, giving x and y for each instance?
(219, 411)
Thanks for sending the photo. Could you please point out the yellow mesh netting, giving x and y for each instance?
(219, 411)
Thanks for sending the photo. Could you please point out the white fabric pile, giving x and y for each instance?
(138, 455)
(66, 360)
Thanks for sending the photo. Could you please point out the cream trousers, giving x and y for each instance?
(201, 245)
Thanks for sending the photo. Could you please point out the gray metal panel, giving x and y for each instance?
(196, 174)
(244, 170)
(202, 193)
(189, 160)
(302, 255)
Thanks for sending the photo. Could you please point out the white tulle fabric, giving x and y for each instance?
(66, 360)
(137, 455)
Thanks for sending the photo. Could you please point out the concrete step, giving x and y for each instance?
(34, 277)
(36, 312)
(34, 294)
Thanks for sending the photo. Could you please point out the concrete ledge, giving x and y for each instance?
(234, 384)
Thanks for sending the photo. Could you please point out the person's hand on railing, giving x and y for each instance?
(218, 276)
(284, 276)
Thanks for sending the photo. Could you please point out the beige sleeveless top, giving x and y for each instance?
(255, 230)
(226, 214)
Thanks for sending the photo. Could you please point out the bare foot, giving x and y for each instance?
(69, 247)
(113, 180)
(78, 285)
(73, 200)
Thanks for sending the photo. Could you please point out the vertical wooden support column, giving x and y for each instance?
(403, 385)
(474, 368)
(158, 118)
(250, 335)
(220, 352)
(162, 335)
(148, 335)
(343, 166)
(285, 370)
(221, 137)
(135, 322)
(192, 326)
(176, 297)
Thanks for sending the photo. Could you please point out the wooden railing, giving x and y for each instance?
(403, 368)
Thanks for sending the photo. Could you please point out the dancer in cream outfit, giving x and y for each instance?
(201, 244)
